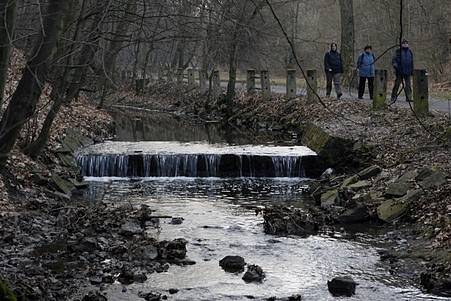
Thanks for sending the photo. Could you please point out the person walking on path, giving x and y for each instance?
(333, 66)
(366, 67)
(403, 64)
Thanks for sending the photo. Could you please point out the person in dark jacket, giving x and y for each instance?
(333, 66)
(403, 64)
(366, 67)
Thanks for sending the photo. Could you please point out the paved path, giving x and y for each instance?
(441, 105)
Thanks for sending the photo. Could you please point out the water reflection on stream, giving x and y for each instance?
(215, 225)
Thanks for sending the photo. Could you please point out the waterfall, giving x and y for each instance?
(189, 165)
(176, 159)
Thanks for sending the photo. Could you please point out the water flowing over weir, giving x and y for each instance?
(173, 159)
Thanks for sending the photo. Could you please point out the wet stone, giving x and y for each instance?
(152, 296)
(369, 172)
(254, 273)
(175, 249)
(177, 220)
(126, 277)
(289, 221)
(342, 286)
(108, 278)
(354, 215)
(130, 228)
(94, 296)
(140, 277)
(232, 264)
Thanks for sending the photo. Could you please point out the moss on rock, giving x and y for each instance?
(6, 294)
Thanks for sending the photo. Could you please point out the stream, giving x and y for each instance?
(219, 219)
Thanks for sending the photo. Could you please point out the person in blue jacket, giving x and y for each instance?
(333, 66)
(366, 67)
(403, 64)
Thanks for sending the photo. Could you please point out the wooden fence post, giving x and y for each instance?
(191, 83)
(266, 84)
(180, 76)
(312, 86)
(420, 92)
(380, 90)
(216, 83)
(203, 81)
(291, 83)
(250, 82)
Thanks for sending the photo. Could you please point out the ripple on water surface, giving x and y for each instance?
(216, 225)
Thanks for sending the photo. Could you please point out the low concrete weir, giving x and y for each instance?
(174, 159)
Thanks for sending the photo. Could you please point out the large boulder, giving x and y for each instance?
(330, 198)
(434, 179)
(254, 273)
(397, 189)
(391, 210)
(342, 286)
(232, 264)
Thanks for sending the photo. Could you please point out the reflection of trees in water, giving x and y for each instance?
(168, 127)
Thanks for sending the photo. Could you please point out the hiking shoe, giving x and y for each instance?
(339, 95)
(361, 98)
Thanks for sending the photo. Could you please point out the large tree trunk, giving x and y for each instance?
(7, 23)
(25, 98)
(347, 37)
(115, 46)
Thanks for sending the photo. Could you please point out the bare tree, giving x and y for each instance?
(7, 23)
(23, 102)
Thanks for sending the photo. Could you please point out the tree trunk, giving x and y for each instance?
(232, 71)
(35, 148)
(347, 37)
(58, 95)
(7, 24)
(25, 98)
(109, 61)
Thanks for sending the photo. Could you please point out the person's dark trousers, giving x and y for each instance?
(329, 78)
(407, 87)
(336, 79)
(362, 83)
